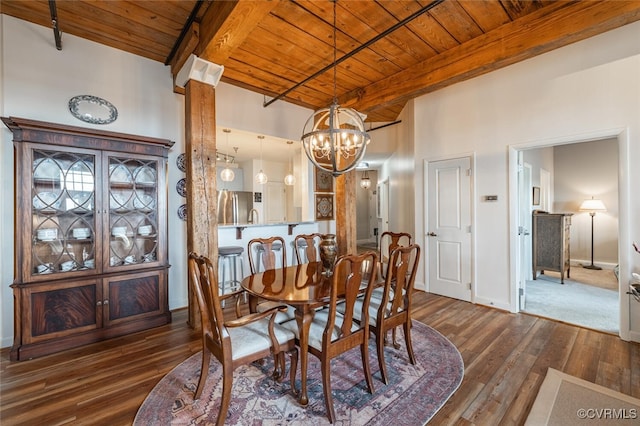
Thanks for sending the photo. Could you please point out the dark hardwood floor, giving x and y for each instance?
(506, 357)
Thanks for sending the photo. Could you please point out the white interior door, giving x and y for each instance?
(449, 227)
(524, 228)
(383, 206)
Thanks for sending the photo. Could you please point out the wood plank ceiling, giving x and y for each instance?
(271, 46)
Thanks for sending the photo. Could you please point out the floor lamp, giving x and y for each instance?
(592, 206)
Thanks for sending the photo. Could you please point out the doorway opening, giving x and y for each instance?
(555, 180)
(367, 218)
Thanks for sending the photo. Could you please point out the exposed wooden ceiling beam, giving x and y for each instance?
(554, 26)
(226, 25)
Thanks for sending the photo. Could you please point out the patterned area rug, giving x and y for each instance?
(414, 395)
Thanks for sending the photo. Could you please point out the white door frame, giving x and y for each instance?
(624, 240)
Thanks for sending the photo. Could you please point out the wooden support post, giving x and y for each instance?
(346, 213)
(200, 147)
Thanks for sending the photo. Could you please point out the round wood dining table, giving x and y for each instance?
(304, 287)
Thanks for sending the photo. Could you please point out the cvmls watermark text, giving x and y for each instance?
(608, 413)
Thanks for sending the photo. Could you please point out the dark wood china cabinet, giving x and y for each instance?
(91, 258)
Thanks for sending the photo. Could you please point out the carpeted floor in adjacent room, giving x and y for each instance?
(588, 299)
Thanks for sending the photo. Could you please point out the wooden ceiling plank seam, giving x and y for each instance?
(38, 14)
(265, 79)
(402, 40)
(359, 69)
(346, 80)
(116, 42)
(310, 42)
(269, 52)
(367, 29)
(243, 85)
(175, 11)
(106, 21)
(487, 14)
(549, 28)
(224, 28)
(425, 27)
(135, 11)
(77, 25)
(442, 60)
(322, 90)
(361, 48)
(364, 20)
(518, 8)
(458, 23)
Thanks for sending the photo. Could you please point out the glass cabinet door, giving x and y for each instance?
(63, 203)
(133, 216)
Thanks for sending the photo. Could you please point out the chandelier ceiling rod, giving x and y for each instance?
(383, 34)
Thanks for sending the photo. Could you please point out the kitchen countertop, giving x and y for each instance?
(239, 227)
(248, 225)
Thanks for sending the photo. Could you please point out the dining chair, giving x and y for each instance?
(332, 333)
(238, 341)
(388, 242)
(264, 252)
(306, 248)
(390, 305)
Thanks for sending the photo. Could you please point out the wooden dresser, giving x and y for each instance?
(551, 249)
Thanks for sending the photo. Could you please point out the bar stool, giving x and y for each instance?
(227, 262)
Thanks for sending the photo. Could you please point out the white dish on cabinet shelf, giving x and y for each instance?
(46, 201)
(144, 230)
(144, 202)
(144, 175)
(46, 168)
(47, 234)
(81, 233)
(118, 173)
(80, 201)
(117, 202)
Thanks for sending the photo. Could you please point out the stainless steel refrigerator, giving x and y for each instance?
(234, 207)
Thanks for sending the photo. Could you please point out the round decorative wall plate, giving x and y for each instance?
(181, 187)
(92, 109)
(180, 162)
(182, 212)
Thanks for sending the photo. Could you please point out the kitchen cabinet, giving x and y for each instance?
(91, 256)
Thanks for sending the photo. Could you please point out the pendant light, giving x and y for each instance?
(365, 182)
(334, 138)
(227, 175)
(261, 177)
(290, 179)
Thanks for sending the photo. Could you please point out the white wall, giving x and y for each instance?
(37, 81)
(581, 171)
(587, 90)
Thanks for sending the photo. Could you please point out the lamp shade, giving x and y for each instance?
(365, 182)
(592, 205)
(227, 175)
(289, 179)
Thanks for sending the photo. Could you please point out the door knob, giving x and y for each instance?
(432, 234)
